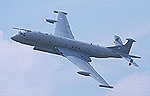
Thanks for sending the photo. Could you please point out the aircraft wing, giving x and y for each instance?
(62, 27)
(79, 60)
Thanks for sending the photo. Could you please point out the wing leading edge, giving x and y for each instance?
(84, 65)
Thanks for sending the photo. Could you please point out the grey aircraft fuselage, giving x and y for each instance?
(48, 43)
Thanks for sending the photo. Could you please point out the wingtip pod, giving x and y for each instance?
(83, 73)
(50, 21)
(60, 12)
(133, 56)
(106, 86)
(14, 28)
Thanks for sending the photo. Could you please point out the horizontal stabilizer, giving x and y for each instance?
(128, 58)
(106, 86)
(134, 56)
(130, 39)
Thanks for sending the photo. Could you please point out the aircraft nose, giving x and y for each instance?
(15, 37)
(12, 37)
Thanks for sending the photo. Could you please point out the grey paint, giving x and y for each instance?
(62, 43)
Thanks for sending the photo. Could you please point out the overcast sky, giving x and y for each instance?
(24, 72)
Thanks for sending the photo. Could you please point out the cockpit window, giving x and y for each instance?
(22, 33)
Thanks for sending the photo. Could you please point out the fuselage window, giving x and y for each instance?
(72, 46)
(65, 45)
(49, 41)
(46, 34)
(78, 48)
(89, 50)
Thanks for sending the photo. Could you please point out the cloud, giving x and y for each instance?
(22, 72)
(136, 84)
(33, 91)
(31, 73)
(14, 56)
(28, 72)
(1, 35)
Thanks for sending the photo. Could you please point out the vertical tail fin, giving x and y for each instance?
(128, 45)
(120, 47)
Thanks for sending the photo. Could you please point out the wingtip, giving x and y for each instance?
(106, 86)
(55, 11)
(14, 27)
(137, 66)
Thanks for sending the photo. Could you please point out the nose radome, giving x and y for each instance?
(14, 37)
(11, 37)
